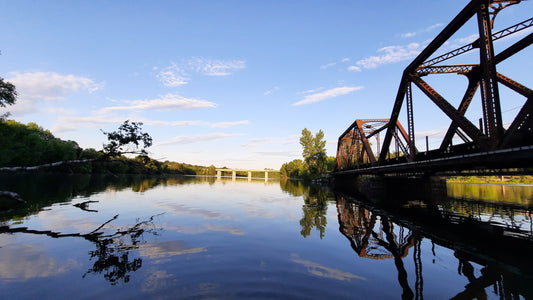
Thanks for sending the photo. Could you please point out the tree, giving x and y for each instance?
(8, 96)
(314, 151)
(8, 93)
(127, 139)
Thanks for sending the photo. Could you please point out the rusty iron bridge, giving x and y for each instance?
(486, 146)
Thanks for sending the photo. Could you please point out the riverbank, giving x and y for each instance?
(525, 179)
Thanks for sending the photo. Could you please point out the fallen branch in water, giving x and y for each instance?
(13, 196)
(75, 161)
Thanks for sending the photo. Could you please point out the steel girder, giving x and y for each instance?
(354, 148)
(481, 74)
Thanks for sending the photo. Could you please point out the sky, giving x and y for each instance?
(233, 83)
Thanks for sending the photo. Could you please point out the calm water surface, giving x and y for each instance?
(187, 237)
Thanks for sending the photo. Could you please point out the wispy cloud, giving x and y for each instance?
(173, 75)
(469, 39)
(210, 67)
(331, 93)
(327, 66)
(392, 54)
(408, 34)
(177, 74)
(229, 124)
(274, 89)
(427, 29)
(191, 139)
(259, 142)
(311, 91)
(168, 102)
(34, 87)
(354, 68)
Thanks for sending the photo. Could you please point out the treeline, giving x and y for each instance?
(315, 163)
(25, 145)
(300, 169)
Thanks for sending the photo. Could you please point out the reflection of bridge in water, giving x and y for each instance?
(249, 171)
(375, 233)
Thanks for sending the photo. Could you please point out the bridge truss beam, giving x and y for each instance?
(491, 135)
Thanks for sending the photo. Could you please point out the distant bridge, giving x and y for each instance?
(234, 172)
(486, 148)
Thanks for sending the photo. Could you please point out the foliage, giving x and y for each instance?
(8, 93)
(29, 145)
(294, 169)
(127, 140)
(314, 151)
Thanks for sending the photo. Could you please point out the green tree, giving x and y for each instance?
(127, 139)
(8, 93)
(314, 151)
(8, 96)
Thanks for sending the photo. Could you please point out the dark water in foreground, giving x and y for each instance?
(126, 238)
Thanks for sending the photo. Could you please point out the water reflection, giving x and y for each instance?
(315, 207)
(112, 254)
(494, 235)
(377, 237)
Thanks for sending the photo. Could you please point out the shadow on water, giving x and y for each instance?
(386, 218)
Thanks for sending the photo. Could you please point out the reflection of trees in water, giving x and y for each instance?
(375, 236)
(292, 187)
(112, 248)
(314, 211)
(314, 208)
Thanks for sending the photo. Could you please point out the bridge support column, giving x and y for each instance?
(266, 175)
(249, 175)
(219, 174)
(233, 175)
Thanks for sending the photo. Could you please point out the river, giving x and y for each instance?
(109, 237)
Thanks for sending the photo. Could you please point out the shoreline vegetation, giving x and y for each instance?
(30, 148)
(523, 179)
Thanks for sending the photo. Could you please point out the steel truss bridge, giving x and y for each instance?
(486, 147)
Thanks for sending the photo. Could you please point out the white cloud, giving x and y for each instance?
(168, 102)
(392, 54)
(274, 89)
(179, 74)
(469, 39)
(345, 59)
(191, 139)
(327, 66)
(210, 67)
(354, 68)
(229, 124)
(173, 75)
(427, 29)
(260, 142)
(34, 87)
(408, 34)
(331, 93)
(311, 91)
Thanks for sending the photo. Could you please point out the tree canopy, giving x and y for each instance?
(8, 93)
(127, 139)
(314, 150)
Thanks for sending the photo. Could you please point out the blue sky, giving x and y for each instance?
(230, 83)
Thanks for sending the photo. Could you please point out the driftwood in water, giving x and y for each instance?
(12, 195)
(32, 168)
